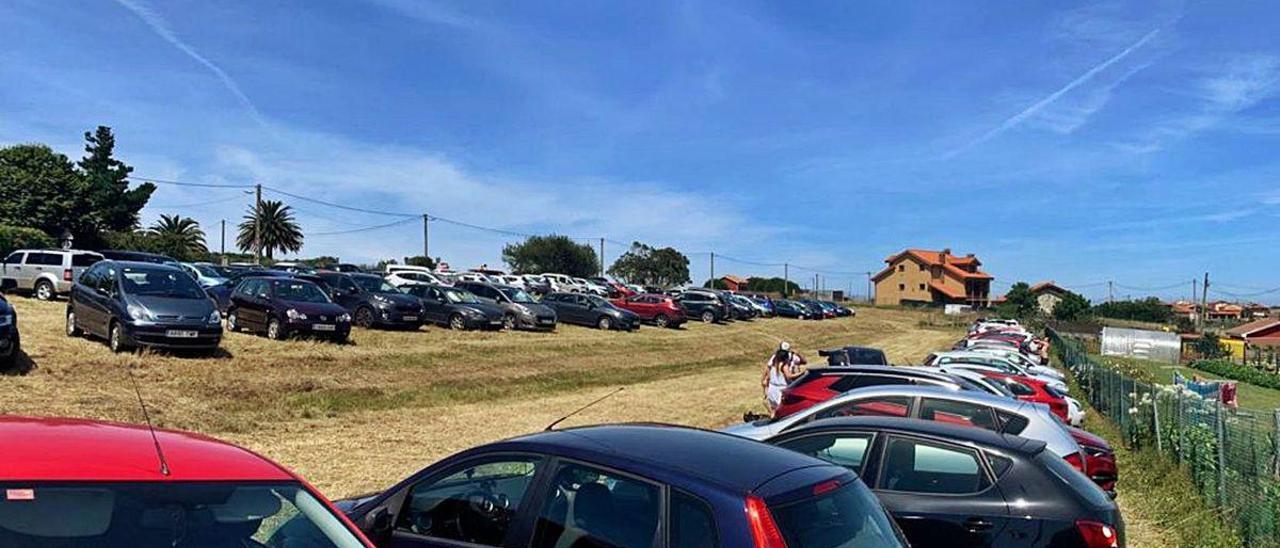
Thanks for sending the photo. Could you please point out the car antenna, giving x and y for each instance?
(552, 426)
(164, 464)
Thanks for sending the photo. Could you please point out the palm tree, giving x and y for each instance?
(276, 228)
(180, 236)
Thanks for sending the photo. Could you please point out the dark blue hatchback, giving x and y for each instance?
(640, 486)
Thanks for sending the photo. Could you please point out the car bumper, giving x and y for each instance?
(396, 317)
(158, 335)
(483, 322)
(340, 330)
(540, 323)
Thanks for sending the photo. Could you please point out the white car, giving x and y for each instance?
(402, 275)
(512, 280)
(592, 287)
(562, 283)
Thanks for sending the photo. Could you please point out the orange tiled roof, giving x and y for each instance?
(1049, 285)
(954, 293)
(1244, 330)
(735, 279)
(951, 264)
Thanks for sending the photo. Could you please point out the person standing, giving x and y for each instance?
(783, 367)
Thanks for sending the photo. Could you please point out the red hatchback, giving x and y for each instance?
(662, 310)
(79, 483)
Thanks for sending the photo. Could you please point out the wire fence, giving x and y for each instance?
(1233, 456)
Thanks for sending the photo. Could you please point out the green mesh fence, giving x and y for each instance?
(1232, 456)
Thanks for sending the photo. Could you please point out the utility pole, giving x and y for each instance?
(257, 220)
(426, 236)
(1204, 292)
(1194, 308)
(601, 257)
(223, 251)
(870, 298)
(713, 270)
(1110, 291)
(786, 280)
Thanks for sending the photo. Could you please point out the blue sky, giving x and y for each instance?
(1082, 142)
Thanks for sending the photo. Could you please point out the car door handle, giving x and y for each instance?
(978, 525)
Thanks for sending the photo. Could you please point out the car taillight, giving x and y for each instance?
(66, 274)
(1097, 535)
(1076, 460)
(764, 530)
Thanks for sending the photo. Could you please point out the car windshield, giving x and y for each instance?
(143, 281)
(460, 296)
(373, 284)
(300, 292)
(849, 516)
(120, 515)
(597, 301)
(206, 270)
(517, 295)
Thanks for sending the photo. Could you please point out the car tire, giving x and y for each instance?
(509, 322)
(661, 320)
(233, 320)
(72, 329)
(275, 331)
(363, 317)
(708, 316)
(605, 323)
(44, 290)
(115, 338)
(457, 322)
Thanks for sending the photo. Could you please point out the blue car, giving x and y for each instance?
(627, 486)
(10, 342)
(221, 293)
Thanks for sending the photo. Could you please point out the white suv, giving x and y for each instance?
(47, 272)
(401, 275)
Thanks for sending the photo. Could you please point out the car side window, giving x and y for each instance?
(692, 524)
(90, 277)
(920, 466)
(263, 289)
(44, 259)
(475, 504)
(245, 288)
(14, 258)
(84, 259)
(844, 449)
(884, 406)
(958, 412)
(850, 382)
(587, 506)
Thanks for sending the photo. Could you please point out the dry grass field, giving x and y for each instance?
(357, 417)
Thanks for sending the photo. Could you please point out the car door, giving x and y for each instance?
(941, 494)
(433, 305)
(241, 299)
(589, 505)
(83, 296)
(14, 268)
(844, 448)
(102, 300)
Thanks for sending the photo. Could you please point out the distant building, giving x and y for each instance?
(919, 276)
(1222, 310)
(734, 283)
(1048, 295)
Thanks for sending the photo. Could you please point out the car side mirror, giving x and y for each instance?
(378, 524)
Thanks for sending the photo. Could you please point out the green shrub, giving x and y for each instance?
(21, 237)
(1237, 372)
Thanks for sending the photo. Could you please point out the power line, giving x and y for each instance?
(364, 228)
(1160, 288)
(340, 206)
(198, 204)
(182, 183)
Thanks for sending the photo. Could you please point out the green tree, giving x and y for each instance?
(1209, 347)
(179, 237)
(275, 228)
(556, 254)
(715, 284)
(21, 237)
(419, 260)
(114, 205)
(40, 189)
(1018, 302)
(1072, 307)
(646, 265)
(1144, 310)
(773, 285)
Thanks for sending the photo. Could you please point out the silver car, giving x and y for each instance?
(47, 272)
(964, 407)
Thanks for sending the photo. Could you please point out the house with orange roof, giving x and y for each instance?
(1047, 294)
(734, 283)
(921, 276)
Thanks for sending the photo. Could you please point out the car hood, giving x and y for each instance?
(319, 309)
(169, 306)
(400, 299)
(539, 309)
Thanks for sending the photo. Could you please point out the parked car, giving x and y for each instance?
(138, 257)
(819, 307)
(592, 287)
(742, 307)
(948, 485)
(963, 407)
(455, 307)
(282, 307)
(661, 310)
(591, 311)
(840, 310)
(372, 301)
(764, 305)
(203, 273)
(75, 482)
(626, 486)
(10, 339)
(142, 304)
(790, 309)
(347, 268)
(47, 273)
(519, 309)
(564, 284)
(994, 364)
(855, 355)
(400, 276)
(816, 312)
(536, 285)
(221, 293)
(704, 305)
(819, 384)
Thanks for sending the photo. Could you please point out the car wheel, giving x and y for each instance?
(233, 320)
(115, 338)
(364, 317)
(604, 323)
(457, 323)
(274, 331)
(509, 322)
(661, 320)
(44, 290)
(708, 316)
(72, 329)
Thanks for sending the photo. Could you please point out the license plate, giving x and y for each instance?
(495, 322)
(410, 318)
(181, 334)
(546, 320)
(323, 327)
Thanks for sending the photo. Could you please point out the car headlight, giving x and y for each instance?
(137, 312)
(344, 317)
(6, 320)
(294, 315)
(215, 318)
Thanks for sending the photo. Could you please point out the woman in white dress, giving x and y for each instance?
(783, 367)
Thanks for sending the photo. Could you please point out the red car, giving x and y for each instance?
(1033, 390)
(71, 482)
(662, 310)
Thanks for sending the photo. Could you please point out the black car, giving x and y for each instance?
(741, 307)
(815, 310)
(790, 309)
(705, 305)
(372, 301)
(457, 308)
(626, 486)
(950, 485)
(284, 306)
(855, 355)
(841, 310)
(519, 309)
(138, 257)
(591, 311)
(143, 304)
(10, 340)
(221, 293)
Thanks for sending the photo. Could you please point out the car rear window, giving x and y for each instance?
(44, 259)
(1074, 479)
(850, 382)
(848, 516)
(867, 357)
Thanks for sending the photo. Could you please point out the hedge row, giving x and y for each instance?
(1237, 372)
(21, 237)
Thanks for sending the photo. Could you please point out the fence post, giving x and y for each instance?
(1275, 442)
(1182, 427)
(1155, 417)
(1222, 460)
